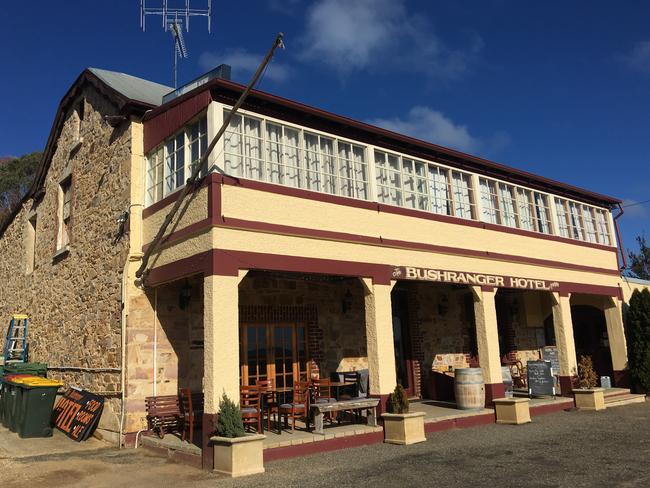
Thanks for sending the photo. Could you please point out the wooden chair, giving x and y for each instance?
(322, 393)
(249, 405)
(164, 414)
(192, 411)
(269, 400)
(299, 406)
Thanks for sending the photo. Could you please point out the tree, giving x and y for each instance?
(16, 174)
(638, 343)
(640, 263)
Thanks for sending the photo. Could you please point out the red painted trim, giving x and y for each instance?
(323, 446)
(159, 127)
(459, 423)
(610, 291)
(257, 226)
(196, 264)
(488, 289)
(394, 243)
(566, 385)
(229, 262)
(207, 450)
(550, 408)
(214, 201)
(170, 199)
(185, 232)
(383, 406)
(492, 391)
(382, 207)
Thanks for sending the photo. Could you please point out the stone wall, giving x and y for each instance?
(74, 301)
(446, 325)
(164, 345)
(343, 343)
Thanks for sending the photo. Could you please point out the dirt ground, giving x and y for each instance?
(565, 449)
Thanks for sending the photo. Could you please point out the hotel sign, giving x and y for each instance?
(477, 279)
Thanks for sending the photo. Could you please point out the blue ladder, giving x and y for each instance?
(15, 349)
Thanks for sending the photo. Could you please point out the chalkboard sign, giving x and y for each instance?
(77, 413)
(550, 353)
(540, 379)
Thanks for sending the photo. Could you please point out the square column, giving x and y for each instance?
(617, 342)
(379, 338)
(487, 341)
(221, 351)
(563, 326)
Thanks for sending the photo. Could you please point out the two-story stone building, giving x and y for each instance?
(314, 240)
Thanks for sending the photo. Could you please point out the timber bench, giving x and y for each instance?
(357, 405)
(164, 414)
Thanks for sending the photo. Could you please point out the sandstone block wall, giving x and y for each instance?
(74, 302)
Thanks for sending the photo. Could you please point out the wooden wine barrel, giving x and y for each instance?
(469, 388)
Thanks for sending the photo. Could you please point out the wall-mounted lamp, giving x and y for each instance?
(185, 296)
(346, 302)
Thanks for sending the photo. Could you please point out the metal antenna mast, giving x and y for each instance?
(173, 21)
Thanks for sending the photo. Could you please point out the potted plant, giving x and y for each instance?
(400, 426)
(236, 453)
(588, 397)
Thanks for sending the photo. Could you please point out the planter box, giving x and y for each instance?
(404, 428)
(589, 398)
(238, 456)
(512, 411)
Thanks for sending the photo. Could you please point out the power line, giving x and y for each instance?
(636, 203)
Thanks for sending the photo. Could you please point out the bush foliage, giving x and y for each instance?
(16, 174)
(640, 263)
(638, 340)
(229, 423)
(587, 377)
(399, 400)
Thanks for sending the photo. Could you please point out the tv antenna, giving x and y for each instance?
(173, 21)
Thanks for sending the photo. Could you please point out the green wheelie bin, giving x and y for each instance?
(32, 416)
(10, 395)
(36, 369)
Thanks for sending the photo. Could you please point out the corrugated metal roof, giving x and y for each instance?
(132, 87)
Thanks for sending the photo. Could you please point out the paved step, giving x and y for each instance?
(616, 392)
(620, 400)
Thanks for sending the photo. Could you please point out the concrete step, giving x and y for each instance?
(620, 400)
(616, 392)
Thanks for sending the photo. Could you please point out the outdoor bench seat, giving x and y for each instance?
(368, 404)
(164, 414)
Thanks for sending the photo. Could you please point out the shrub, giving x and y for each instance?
(587, 377)
(638, 340)
(399, 401)
(229, 423)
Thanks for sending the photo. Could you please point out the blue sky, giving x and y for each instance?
(560, 89)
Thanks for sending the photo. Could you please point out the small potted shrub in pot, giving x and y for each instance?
(588, 397)
(400, 426)
(236, 453)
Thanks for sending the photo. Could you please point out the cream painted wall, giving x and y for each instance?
(243, 203)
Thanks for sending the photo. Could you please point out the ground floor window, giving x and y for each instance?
(276, 352)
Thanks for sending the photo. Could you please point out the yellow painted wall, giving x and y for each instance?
(630, 285)
(261, 206)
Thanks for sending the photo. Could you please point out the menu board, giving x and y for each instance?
(550, 353)
(77, 413)
(540, 379)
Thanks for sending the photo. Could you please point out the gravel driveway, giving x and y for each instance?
(567, 449)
